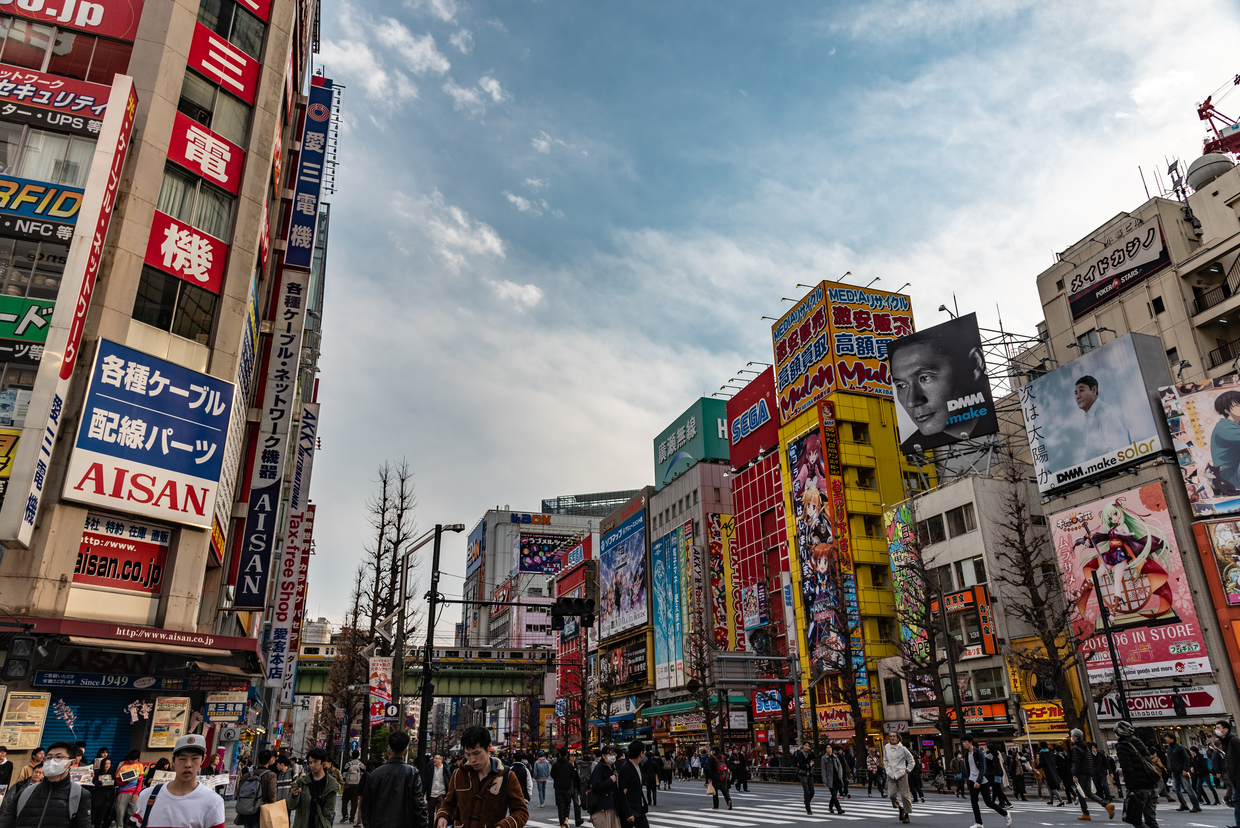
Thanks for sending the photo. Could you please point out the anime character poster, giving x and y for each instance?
(540, 554)
(622, 577)
(899, 525)
(719, 531)
(1225, 545)
(1204, 421)
(1127, 541)
(665, 598)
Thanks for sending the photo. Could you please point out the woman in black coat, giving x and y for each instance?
(603, 789)
(103, 795)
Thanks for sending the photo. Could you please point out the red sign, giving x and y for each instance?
(175, 247)
(109, 18)
(63, 104)
(201, 151)
(224, 63)
(981, 713)
(262, 8)
(753, 419)
(138, 635)
(123, 555)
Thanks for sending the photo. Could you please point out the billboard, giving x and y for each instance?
(109, 18)
(120, 554)
(697, 434)
(628, 662)
(311, 165)
(836, 339)
(151, 438)
(724, 592)
(1128, 541)
(1224, 538)
(900, 529)
(180, 250)
(1204, 421)
(754, 600)
(379, 688)
(1137, 251)
(939, 377)
(38, 210)
(542, 554)
(1095, 415)
(669, 664)
(52, 101)
(753, 419)
(622, 577)
(475, 547)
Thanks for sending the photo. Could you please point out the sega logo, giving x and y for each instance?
(544, 520)
(757, 416)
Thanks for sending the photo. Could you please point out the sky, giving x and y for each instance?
(559, 223)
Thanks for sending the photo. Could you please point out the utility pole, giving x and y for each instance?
(427, 686)
(1105, 612)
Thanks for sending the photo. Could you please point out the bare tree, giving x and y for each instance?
(579, 701)
(607, 690)
(348, 676)
(700, 650)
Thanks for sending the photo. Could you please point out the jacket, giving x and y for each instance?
(1131, 751)
(309, 813)
(832, 773)
(475, 803)
(1177, 758)
(584, 768)
(603, 788)
(267, 782)
(650, 770)
(1201, 765)
(542, 770)
(428, 778)
(710, 770)
(54, 796)
(564, 775)
(979, 761)
(1082, 761)
(1232, 752)
(334, 773)
(522, 772)
(393, 796)
(629, 801)
(1046, 761)
(897, 760)
(804, 762)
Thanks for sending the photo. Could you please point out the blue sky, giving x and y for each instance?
(559, 223)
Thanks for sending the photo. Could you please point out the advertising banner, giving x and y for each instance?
(380, 688)
(1138, 251)
(697, 434)
(227, 708)
(38, 210)
(1203, 700)
(120, 554)
(628, 663)
(108, 18)
(21, 728)
(541, 554)
(900, 529)
(25, 320)
(177, 248)
(475, 547)
(754, 599)
(168, 722)
(64, 337)
(719, 563)
(230, 468)
(299, 606)
(980, 637)
(204, 153)
(1224, 538)
(106, 681)
(267, 474)
(52, 102)
(939, 376)
(224, 63)
(295, 555)
(836, 339)
(753, 421)
(1095, 415)
(151, 437)
(665, 596)
(1204, 421)
(582, 551)
(1128, 541)
(1043, 717)
(622, 577)
(310, 168)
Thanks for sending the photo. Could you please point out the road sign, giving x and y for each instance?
(392, 711)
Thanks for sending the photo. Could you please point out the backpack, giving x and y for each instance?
(353, 773)
(721, 771)
(523, 776)
(75, 799)
(250, 794)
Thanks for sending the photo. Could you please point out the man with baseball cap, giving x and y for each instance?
(182, 803)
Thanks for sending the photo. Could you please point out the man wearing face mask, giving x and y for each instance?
(55, 801)
(1231, 747)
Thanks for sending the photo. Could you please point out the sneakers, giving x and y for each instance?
(1110, 811)
(1008, 817)
(1086, 817)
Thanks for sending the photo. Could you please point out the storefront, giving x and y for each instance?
(686, 724)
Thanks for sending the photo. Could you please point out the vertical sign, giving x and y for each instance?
(310, 163)
(69, 319)
(299, 605)
(286, 619)
(236, 424)
(380, 688)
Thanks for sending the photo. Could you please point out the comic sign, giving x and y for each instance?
(669, 666)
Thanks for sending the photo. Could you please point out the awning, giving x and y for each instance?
(687, 707)
(627, 717)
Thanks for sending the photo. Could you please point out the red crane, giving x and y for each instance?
(1226, 130)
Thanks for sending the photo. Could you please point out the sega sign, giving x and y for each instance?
(759, 414)
(752, 425)
(767, 703)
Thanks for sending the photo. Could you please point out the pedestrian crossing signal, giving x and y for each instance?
(17, 659)
(582, 608)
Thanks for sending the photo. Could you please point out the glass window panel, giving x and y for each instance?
(5, 22)
(247, 33)
(10, 142)
(77, 162)
(989, 684)
(27, 42)
(216, 15)
(111, 59)
(213, 212)
(24, 255)
(156, 300)
(231, 118)
(71, 54)
(48, 270)
(176, 194)
(197, 98)
(6, 257)
(195, 313)
(44, 156)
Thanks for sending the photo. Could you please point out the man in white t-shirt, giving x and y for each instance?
(182, 803)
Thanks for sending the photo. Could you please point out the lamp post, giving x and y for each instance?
(1105, 612)
(948, 641)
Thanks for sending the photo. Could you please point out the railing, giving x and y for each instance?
(1220, 293)
(1225, 354)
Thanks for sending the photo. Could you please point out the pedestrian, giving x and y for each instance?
(54, 800)
(183, 802)
(978, 782)
(542, 772)
(898, 763)
(329, 765)
(483, 793)
(695, 765)
(436, 784)
(871, 772)
(651, 766)
(1100, 773)
(1218, 767)
(1016, 773)
(1200, 767)
(604, 790)
(352, 775)
(743, 763)
(36, 758)
(584, 767)
(630, 804)
(566, 784)
(256, 789)
(6, 767)
(958, 769)
(832, 777)
(715, 769)
(521, 768)
(371, 767)
(394, 796)
(1046, 763)
(1180, 766)
(128, 786)
(804, 759)
(103, 795)
(1140, 776)
(314, 793)
(914, 779)
(284, 776)
(1230, 746)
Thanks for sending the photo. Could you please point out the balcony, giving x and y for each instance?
(1217, 295)
(1224, 354)
(1214, 296)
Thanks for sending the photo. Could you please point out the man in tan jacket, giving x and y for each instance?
(482, 793)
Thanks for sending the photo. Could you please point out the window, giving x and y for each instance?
(45, 48)
(214, 108)
(886, 628)
(768, 522)
(1038, 520)
(989, 684)
(861, 433)
(878, 577)
(865, 478)
(45, 156)
(971, 572)
(30, 268)
(174, 305)
(893, 690)
(930, 531)
(961, 520)
(873, 526)
(941, 576)
(1157, 304)
(1087, 341)
(227, 19)
(1059, 285)
(718, 496)
(695, 497)
(1173, 358)
(192, 200)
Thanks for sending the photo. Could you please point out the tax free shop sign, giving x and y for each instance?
(151, 439)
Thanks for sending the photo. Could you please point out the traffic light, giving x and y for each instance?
(17, 659)
(582, 608)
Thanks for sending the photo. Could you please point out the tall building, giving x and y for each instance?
(598, 504)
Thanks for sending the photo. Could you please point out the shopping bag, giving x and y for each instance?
(710, 788)
(273, 815)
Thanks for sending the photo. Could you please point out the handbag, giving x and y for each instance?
(273, 815)
(1132, 813)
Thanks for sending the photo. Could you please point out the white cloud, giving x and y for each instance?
(445, 10)
(523, 296)
(537, 184)
(465, 97)
(524, 205)
(463, 40)
(544, 142)
(491, 86)
(454, 236)
(419, 52)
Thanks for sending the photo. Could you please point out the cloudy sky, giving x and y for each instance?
(558, 223)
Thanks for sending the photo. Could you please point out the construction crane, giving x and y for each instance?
(1226, 130)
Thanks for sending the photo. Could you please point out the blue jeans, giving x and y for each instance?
(542, 791)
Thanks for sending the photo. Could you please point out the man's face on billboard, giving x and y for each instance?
(1085, 396)
(924, 381)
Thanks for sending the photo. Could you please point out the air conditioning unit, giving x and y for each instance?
(230, 734)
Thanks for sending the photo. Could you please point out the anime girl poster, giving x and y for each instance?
(816, 550)
(1204, 421)
(1127, 541)
(1225, 543)
(622, 577)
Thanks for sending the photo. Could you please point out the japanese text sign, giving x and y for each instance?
(51, 101)
(120, 554)
(42, 422)
(310, 167)
(25, 319)
(234, 70)
(229, 707)
(35, 209)
(244, 381)
(177, 248)
(151, 437)
(700, 433)
(299, 605)
(1134, 250)
(204, 153)
(109, 18)
(285, 619)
